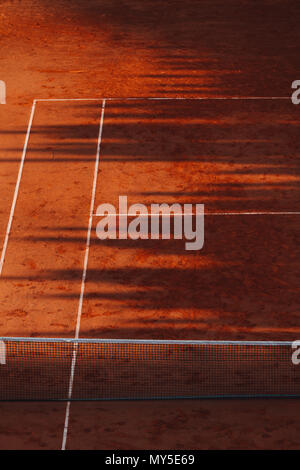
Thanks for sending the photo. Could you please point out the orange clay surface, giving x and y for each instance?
(233, 156)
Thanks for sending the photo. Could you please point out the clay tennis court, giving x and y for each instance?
(236, 152)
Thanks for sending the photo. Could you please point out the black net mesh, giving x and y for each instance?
(59, 369)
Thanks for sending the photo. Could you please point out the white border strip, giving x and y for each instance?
(2, 353)
(86, 257)
(13, 206)
(145, 341)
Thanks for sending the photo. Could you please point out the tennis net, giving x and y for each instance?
(100, 369)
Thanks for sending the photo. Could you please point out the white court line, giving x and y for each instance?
(13, 206)
(85, 265)
(205, 214)
(252, 213)
(142, 98)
